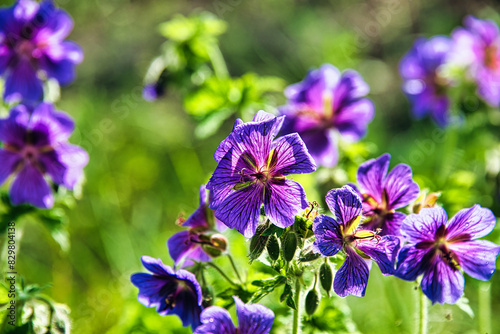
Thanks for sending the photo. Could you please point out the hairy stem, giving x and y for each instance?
(424, 310)
(484, 307)
(234, 267)
(296, 312)
(218, 62)
(216, 267)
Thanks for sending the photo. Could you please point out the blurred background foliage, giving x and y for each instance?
(147, 159)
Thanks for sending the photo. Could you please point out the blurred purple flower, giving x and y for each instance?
(343, 233)
(31, 44)
(156, 89)
(151, 92)
(171, 292)
(477, 46)
(252, 171)
(325, 102)
(423, 85)
(439, 249)
(382, 193)
(35, 144)
(252, 319)
(196, 243)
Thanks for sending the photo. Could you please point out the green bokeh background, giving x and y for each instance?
(146, 164)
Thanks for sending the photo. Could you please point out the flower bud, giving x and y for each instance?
(219, 242)
(258, 242)
(308, 256)
(326, 277)
(273, 248)
(211, 251)
(289, 246)
(312, 301)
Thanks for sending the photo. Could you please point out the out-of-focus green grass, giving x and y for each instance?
(146, 165)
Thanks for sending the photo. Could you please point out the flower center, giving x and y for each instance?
(490, 57)
(378, 211)
(29, 154)
(262, 174)
(25, 49)
(361, 235)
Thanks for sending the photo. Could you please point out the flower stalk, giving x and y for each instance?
(423, 313)
(296, 312)
(219, 270)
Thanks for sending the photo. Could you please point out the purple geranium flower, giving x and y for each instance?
(171, 292)
(252, 319)
(478, 47)
(423, 85)
(360, 246)
(252, 171)
(382, 193)
(32, 43)
(199, 241)
(35, 144)
(325, 102)
(439, 249)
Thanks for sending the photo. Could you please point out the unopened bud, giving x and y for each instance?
(289, 246)
(210, 250)
(273, 248)
(219, 242)
(326, 277)
(312, 301)
(258, 242)
(431, 199)
(309, 256)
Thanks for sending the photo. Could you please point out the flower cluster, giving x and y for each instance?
(35, 136)
(32, 46)
(428, 68)
(250, 191)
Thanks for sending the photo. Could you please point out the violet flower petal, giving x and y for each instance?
(215, 320)
(442, 284)
(352, 277)
(477, 258)
(473, 223)
(371, 175)
(253, 318)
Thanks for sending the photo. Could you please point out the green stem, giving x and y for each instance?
(424, 310)
(484, 307)
(234, 267)
(218, 62)
(216, 267)
(296, 315)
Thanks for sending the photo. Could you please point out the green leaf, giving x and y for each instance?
(258, 242)
(203, 101)
(290, 302)
(179, 29)
(286, 292)
(266, 287)
(273, 229)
